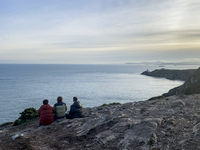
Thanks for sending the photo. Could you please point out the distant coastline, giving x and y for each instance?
(162, 63)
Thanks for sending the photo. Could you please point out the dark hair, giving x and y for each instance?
(45, 102)
(75, 99)
(59, 98)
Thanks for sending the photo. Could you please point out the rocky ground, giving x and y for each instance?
(160, 124)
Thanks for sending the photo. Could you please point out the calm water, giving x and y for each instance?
(24, 86)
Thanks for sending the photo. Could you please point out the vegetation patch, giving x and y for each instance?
(27, 115)
(110, 104)
(156, 97)
(150, 141)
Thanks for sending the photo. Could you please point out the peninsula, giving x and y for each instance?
(170, 74)
(191, 78)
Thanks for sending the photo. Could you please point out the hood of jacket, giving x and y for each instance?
(77, 104)
(44, 107)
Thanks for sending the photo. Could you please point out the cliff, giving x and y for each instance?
(165, 123)
(190, 86)
(190, 76)
(182, 75)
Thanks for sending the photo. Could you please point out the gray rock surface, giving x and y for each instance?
(171, 123)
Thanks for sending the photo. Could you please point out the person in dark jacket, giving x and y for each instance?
(76, 110)
(59, 109)
(46, 113)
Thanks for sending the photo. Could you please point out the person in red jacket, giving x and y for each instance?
(46, 113)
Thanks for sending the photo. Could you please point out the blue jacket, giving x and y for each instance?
(76, 110)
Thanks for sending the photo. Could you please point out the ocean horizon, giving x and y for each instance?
(27, 85)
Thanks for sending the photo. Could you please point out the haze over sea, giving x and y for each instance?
(25, 85)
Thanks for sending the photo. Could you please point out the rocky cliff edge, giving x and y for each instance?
(190, 86)
(160, 124)
(170, 74)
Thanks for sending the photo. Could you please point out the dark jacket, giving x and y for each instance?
(46, 114)
(76, 110)
(59, 109)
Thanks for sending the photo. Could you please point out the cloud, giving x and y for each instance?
(116, 29)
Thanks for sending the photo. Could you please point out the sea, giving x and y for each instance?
(27, 85)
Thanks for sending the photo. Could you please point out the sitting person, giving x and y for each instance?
(46, 113)
(75, 110)
(59, 109)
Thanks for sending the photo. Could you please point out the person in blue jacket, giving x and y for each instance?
(76, 110)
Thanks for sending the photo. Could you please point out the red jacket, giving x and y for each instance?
(46, 114)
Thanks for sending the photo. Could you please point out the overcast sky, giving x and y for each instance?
(99, 31)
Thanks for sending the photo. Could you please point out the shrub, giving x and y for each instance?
(110, 104)
(26, 115)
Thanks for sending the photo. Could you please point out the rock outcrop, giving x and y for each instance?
(182, 75)
(160, 124)
(190, 86)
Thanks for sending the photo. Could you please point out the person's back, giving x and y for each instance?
(59, 108)
(76, 109)
(46, 113)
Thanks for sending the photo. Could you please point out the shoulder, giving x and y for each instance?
(60, 104)
(77, 104)
(63, 104)
(49, 106)
(41, 107)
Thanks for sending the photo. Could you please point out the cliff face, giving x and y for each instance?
(191, 86)
(191, 78)
(166, 123)
(182, 75)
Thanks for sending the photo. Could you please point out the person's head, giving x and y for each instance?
(59, 98)
(45, 102)
(75, 99)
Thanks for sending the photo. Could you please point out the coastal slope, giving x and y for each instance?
(190, 76)
(165, 123)
(170, 74)
(190, 86)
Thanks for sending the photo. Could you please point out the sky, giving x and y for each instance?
(99, 31)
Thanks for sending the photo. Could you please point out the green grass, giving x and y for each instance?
(110, 104)
(150, 141)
